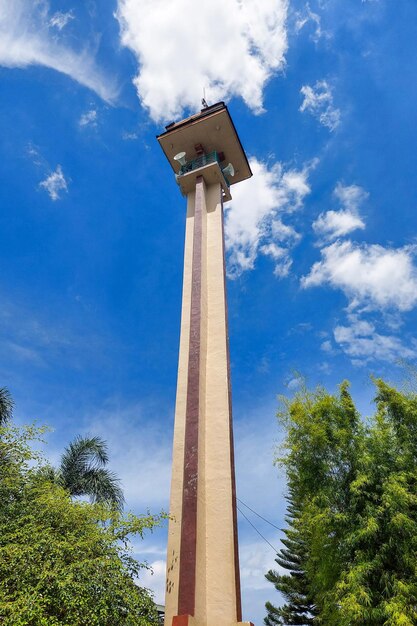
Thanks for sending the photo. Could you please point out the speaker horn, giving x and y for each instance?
(229, 170)
(180, 157)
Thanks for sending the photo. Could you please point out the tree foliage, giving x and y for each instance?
(355, 486)
(6, 406)
(82, 471)
(63, 562)
(299, 607)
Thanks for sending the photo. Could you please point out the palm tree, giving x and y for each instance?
(6, 406)
(82, 471)
(6, 411)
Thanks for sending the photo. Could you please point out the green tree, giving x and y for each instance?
(82, 468)
(378, 584)
(355, 484)
(299, 607)
(6, 406)
(82, 471)
(6, 411)
(62, 562)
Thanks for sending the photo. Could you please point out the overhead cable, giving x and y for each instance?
(259, 533)
(264, 519)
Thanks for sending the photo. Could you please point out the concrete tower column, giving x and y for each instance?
(203, 582)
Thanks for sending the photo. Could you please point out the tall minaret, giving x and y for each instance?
(203, 582)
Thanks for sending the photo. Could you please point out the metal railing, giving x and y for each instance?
(201, 161)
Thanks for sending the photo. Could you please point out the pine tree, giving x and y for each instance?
(320, 457)
(299, 608)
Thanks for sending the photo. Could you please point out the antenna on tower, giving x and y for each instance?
(203, 99)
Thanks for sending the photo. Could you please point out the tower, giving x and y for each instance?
(203, 582)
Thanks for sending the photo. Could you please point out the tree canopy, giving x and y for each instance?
(83, 472)
(63, 562)
(353, 484)
(6, 406)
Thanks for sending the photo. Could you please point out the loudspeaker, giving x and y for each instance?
(180, 157)
(229, 170)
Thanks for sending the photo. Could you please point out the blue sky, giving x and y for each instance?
(321, 241)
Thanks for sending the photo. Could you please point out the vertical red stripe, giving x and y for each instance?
(187, 573)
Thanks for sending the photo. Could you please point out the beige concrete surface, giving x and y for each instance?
(174, 527)
(215, 566)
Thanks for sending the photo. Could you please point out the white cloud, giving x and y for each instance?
(126, 136)
(59, 20)
(318, 100)
(229, 48)
(25, 40)
(294, 383)
(350, 196)
(55, 183)
(274, 251)
(281, 270)
(284, 232)
(307, 16)
(154, 579)
(256, 559)
(363, 343)
(25, 334)
(140, 453)
(324, 368)
(89, 118)
(326, 346)
(253, 222)
(334, 224)
(35, 156)
(371, 276)
(22, 353)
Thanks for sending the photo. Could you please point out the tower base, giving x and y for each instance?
(189, 620)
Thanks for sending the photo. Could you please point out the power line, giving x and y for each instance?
(264, 519)
(259, 533)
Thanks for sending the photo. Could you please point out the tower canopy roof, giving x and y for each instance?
(211, 130)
